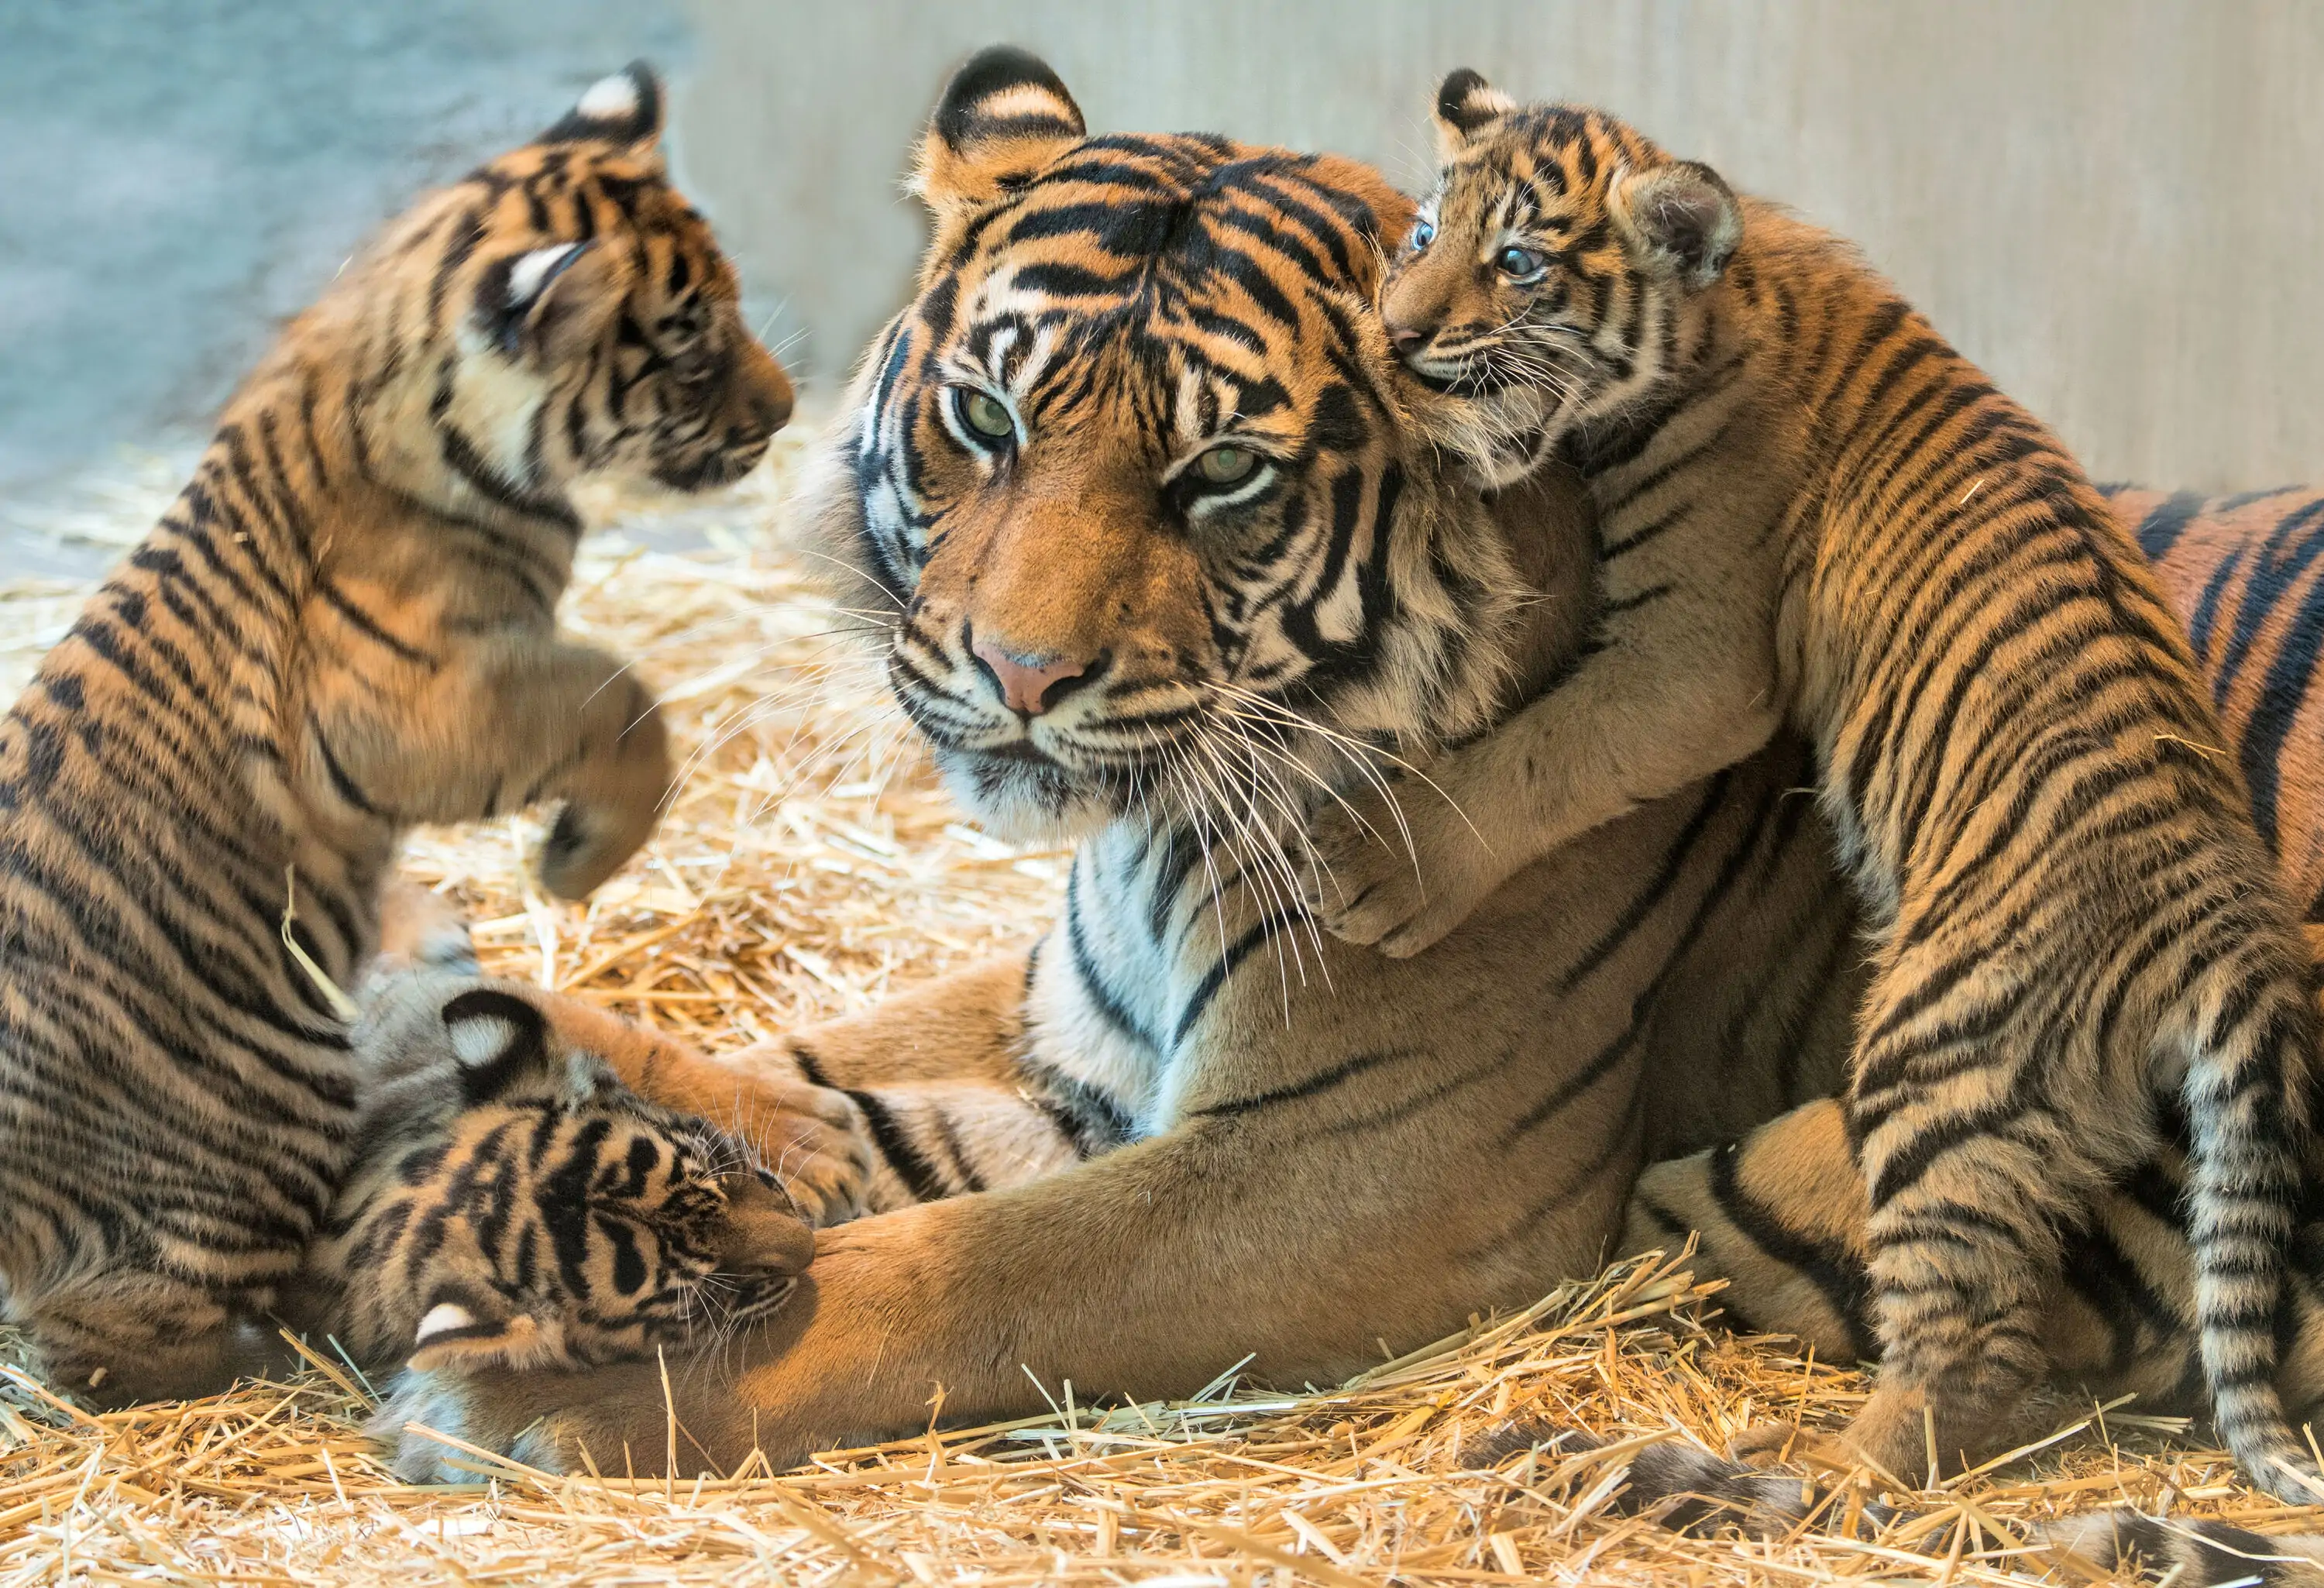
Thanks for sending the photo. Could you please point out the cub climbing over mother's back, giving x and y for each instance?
(344, 627)
(1813, 511)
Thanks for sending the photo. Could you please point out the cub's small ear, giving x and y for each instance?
(547, 306)
(477, 1333)
(1466, 106)
(624, 108)
(1679, 221)
(588, 1079)
(498, 1039)
(1004, 116)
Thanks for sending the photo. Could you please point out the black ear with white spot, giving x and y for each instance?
(624, 108)
(1004, 116)
(1680, 221)
(498, 1039)
(545, 305)
(1466, 106)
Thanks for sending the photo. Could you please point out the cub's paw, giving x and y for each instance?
(811, 1138)
(616, 801)
(502, 1412)
(1397, 877)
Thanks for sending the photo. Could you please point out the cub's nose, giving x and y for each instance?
(1027, 682)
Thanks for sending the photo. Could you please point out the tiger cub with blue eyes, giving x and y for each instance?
(1813, 515)
(515, 1204)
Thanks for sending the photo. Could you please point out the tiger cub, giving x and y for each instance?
(513, 1202)
(1812, 509)
(345, 625)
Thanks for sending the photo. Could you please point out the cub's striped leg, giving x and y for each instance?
(929, 1097)
(569, 721)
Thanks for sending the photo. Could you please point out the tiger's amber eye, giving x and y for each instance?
(986, 415)
(1227, 465)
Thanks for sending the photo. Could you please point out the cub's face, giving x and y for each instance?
(585, 320)
(1546, 280)
(1129, 471)
(556, 1218)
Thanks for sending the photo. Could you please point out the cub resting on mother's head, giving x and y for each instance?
(1157, 544)
(344, 627)
(1814, 512)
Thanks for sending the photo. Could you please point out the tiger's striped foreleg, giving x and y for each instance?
(1682, 681)
(499, 725)
(921, 1098)
(1142, 1272)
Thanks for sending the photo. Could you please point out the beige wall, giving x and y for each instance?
(2118, 206)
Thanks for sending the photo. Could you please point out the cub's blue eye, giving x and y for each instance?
(1515, 262)
(985, 414)
(1423, 234)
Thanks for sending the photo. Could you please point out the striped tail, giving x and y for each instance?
(2244, 1185)
(1694, 1492)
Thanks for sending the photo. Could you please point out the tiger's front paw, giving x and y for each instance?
(811, 1138)
(435, 1424)
(1397, 877)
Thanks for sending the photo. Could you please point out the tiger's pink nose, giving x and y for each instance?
(1026, 682)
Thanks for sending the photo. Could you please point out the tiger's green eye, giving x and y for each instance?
(986, 415)
(1227, 465)
(1517, 261)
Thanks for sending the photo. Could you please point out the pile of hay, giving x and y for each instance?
(810, 864)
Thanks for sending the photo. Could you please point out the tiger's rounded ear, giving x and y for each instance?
(1466, 104)
(497, 1038)
(479, 1331)
(624, 108)
(551, 304)
(1680, 220)
(1004, 116)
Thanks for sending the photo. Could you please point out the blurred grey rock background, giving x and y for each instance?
(2117, 204)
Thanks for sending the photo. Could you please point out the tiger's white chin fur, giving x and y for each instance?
(1021, 803)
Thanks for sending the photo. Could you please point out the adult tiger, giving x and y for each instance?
(343, 626)
(1160, 558)
(1815, 513)
(1186, 1131)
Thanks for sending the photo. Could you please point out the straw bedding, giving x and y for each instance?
(811, 863)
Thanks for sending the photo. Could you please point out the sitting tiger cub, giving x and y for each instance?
(1813, 513)
(513, 1202)
(344, 627)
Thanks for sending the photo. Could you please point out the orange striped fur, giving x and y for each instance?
(344, 627)
(1814, 512)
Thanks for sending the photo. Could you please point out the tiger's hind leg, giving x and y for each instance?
(120, 1338)
(1976, 1162)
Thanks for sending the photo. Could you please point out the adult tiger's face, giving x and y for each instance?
(575, 316)
(1128, 469)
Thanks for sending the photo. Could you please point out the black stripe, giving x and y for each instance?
(911, 1167)
(1843, 1282)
